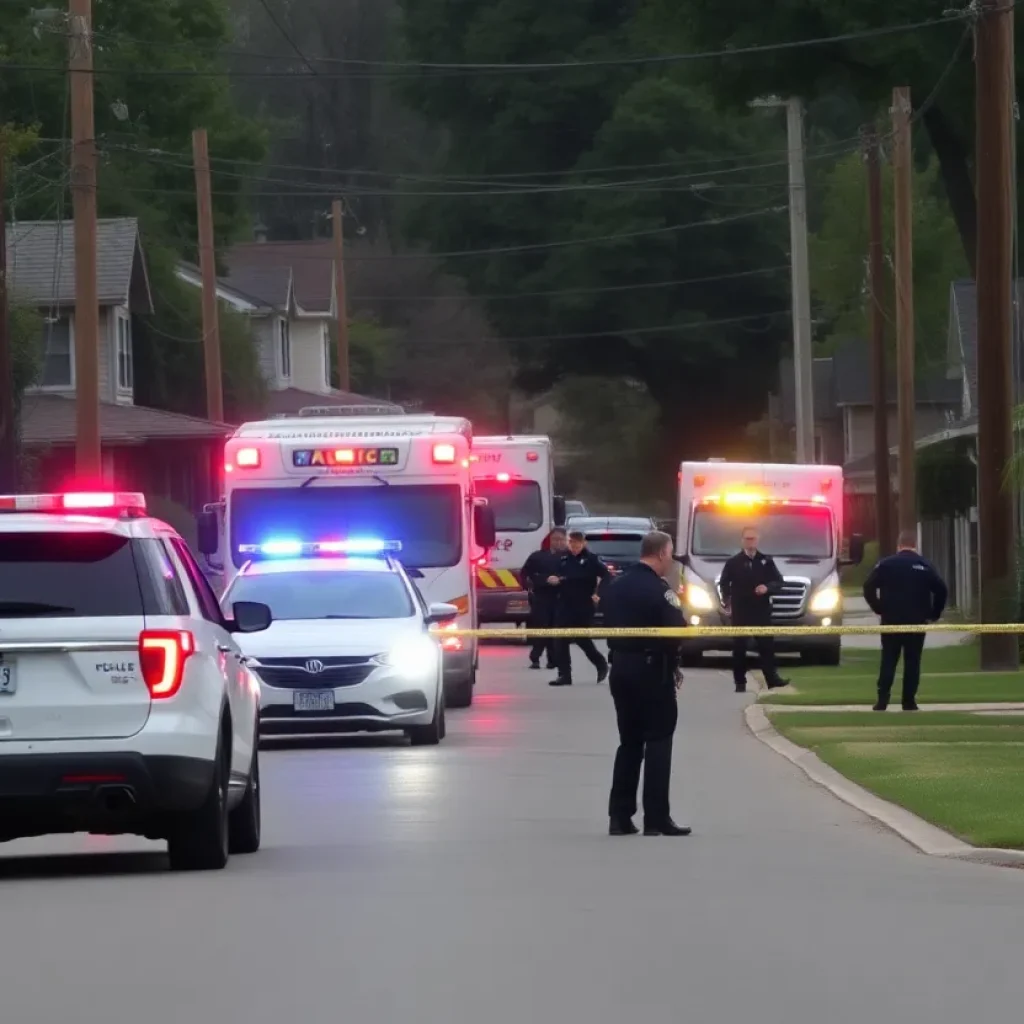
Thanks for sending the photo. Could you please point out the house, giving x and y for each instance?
(166, 455)
(287, 290)
(844, 419)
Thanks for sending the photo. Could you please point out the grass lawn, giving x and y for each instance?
(949, 676)
(961, 772)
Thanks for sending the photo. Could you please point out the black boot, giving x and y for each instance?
(666, 828)
(621, 827)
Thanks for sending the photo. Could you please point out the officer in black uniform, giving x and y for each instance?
(747, 583)
(581, 573)
(541, 576)
(903, 590)
(644, 682)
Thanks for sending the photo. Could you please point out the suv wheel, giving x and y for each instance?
(245, 821)
(199, 839)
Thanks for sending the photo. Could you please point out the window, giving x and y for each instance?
(125, 362)
(285, 345)
(58, 354)
(204, 592)
(618, 547)
(322, 594)
(785, 532)
(516, 504)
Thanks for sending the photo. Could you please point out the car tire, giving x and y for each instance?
(430, 735)
(460, 695)
(245, 823)
(199, 838)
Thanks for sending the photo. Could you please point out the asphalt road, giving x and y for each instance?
(474, 884)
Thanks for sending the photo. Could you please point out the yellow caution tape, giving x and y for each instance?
(685, 632)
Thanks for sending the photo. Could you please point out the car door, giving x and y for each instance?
(239, 684)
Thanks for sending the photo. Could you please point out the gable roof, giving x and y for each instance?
(41, 263)
(268, 269)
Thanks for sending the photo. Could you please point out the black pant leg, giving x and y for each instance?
(892, 644)
(563, 657)
(589, 648)
(541, 617)
(913, 649)
(662, 714)
(630, 754)
(739, 660)
(766, 656)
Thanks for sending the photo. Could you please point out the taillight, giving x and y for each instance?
(162, 655)
(444, 453)
(248, 458)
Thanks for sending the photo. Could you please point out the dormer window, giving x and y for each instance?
(285, 349)
(58, 353)
(125, 359)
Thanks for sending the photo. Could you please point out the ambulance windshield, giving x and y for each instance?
(786, 531)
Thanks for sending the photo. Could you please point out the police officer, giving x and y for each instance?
(902, 590)
(644, 683)
(541, 576)
(581, 574)
(747, 583)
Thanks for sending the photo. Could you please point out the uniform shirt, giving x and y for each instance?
(905, 590)
(538, 568)
(641, 599)
(741, 577)
(580, 575)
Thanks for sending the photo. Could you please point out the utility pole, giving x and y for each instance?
(208, 270)
(344, 372)
(803, 358)
(8, 424)
(903, 216)
(879, 380)
(993, 61)
(88, 455)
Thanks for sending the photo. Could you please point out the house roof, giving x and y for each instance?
(267, 270)
(291, 400)
(41, 263)
(51, 420)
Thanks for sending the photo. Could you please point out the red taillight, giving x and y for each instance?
(532, 456)
(444, 453)
(162, 655)
(248, 458)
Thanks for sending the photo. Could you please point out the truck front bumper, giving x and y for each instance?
(783, 644)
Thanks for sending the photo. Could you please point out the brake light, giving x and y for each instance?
(248, 458)
(162, 655)
(444, 454)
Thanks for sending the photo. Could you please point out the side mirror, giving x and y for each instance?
(250, 617)
(208, 532)
(484, 529)
(438, 613)
(559, 510)
(856, 555)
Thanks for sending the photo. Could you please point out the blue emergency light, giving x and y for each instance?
(289, 548)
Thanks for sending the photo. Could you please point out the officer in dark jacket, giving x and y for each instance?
(645, 679)
(581, 573)
(541, 577)
(903, 590)
(748, 581)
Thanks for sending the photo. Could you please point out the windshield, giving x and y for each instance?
(517, 504)
(319, 594)
(426, 518)
(786, 532)
(624, 547)
(68, 574)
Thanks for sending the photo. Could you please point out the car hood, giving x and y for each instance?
(326, 637)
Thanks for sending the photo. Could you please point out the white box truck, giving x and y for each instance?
(798, 510)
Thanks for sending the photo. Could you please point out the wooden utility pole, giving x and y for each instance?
(88, 456)
(344, 372)
(8, 425)
(904, 219)
(879, 379)
(993, 59)
(208, 269)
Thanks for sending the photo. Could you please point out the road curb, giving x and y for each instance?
(919, 833)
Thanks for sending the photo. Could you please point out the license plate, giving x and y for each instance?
(8, 677)
(315, 700)
(518, 606)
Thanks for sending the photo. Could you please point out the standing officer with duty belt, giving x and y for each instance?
(645, 678)
(541, 576)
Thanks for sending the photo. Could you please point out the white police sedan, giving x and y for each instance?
(350, 647)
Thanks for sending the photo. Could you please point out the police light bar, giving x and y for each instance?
(115, 502)
(285, 548)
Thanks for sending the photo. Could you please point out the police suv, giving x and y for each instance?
(126, 706)
(350, 649)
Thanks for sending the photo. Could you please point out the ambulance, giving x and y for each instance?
(516, 476)
(798, 510)
(338, 475)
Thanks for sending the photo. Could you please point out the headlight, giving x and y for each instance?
(826, 600)
(414, 657)
(698, 598)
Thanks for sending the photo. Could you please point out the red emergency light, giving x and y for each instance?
(76, 501)
(444, 454)
(248, 458)
(532, 457)
(503, 478)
